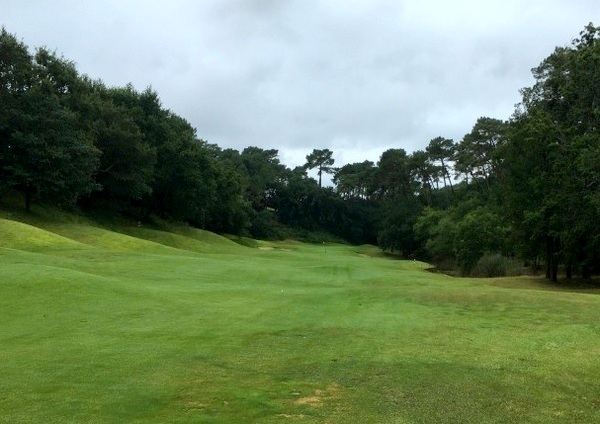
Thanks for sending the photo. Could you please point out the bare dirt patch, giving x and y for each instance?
(314, 401)
(320, 396)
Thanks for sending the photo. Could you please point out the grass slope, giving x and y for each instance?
(18, 235)
(152, 327)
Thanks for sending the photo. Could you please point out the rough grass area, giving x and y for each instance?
(143, 325)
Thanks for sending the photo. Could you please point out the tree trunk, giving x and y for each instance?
(450, 182)
(555, 269)
(445, 174)
(552, 258)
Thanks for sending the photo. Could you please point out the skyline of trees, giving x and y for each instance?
(525, 189)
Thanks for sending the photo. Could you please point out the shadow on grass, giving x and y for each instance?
(575, 285)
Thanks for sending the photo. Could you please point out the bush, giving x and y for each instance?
(478, 232)
(496, 265)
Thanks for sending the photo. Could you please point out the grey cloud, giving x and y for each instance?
(354, 76)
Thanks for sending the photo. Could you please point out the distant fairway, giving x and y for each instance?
(184, 326)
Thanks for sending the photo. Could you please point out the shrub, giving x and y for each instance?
(496, 265)
(480, 231)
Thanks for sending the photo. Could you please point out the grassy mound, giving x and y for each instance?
(110, 240)
(17, 235)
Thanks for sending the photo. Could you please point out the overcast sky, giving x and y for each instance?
(355, 76)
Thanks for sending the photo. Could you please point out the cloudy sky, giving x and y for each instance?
(355, 76)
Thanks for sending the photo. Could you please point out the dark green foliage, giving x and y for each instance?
(552, 182)
(263, 174)
(45, 153)
(265, 226)
(476, 155)
(393, 177)
(403, 188)
(294, 197)
(362, 221)
(530, 185)
(399, 215)
(355, 180)
(478, 233)
(127, 162)
(228, 212)
(435, 231)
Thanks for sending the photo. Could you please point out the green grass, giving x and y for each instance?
(175, 325)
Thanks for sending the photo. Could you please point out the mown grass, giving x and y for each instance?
(144, 325)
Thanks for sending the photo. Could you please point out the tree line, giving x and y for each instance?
(525, 189)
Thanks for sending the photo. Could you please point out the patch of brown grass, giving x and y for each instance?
(320, 396)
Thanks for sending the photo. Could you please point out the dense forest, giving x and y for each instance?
(524, 191)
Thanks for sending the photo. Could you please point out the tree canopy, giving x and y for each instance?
(322, 160)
